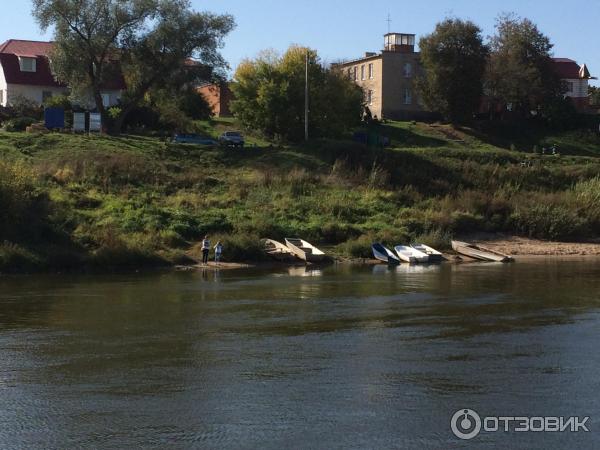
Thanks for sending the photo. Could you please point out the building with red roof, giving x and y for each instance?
(25, 73)
(576, 79)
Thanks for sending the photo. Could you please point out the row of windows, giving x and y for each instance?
(353, 72)
(407, 71)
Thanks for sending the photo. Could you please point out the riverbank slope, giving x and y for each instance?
(71, 201)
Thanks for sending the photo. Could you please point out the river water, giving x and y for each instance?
(344, 357)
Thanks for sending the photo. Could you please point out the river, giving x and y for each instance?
(343, 357)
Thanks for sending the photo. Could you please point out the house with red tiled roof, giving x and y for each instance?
(576, 79)
(25, 73)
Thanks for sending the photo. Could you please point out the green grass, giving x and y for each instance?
(127, 201)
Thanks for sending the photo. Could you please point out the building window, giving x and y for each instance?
(407, 70)
(350, 73)
(27, 64)
(105, 100)
(407, 96)
(355, 73)
(369, 97)
(371, 71)
(570, 87)
(362, 72)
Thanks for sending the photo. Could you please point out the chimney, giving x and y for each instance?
(369, 54)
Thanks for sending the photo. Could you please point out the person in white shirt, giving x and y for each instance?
(205, 250)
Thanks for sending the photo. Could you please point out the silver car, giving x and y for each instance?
(232, 139)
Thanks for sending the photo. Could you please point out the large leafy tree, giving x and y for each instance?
(454, 60)
(87, 34)
(151, 42)
(520, 71)
(269, 96)
(180, 50)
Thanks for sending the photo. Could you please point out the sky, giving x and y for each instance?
(346, 29)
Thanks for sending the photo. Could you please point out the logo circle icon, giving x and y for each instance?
(466, 424)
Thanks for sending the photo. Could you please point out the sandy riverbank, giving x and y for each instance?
(519, 246)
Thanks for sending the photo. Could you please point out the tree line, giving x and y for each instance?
(512, 71)
(163, 48)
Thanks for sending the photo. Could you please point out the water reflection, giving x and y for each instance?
(305, 271)
(341, 356)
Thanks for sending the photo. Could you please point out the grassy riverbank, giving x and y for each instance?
(72, 201)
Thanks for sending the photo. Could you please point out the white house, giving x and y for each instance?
(25, 72)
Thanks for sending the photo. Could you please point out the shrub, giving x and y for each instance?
(438, 239)
(358, 248)
(466, 222)
(18, 124)
(58, 101)
(14, 258)
(550, 222)
(17, 196)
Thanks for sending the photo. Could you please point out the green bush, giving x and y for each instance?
(438, 239)
(18, 124)
(550, 222)
(14, 258)
(58, 101)
(357, 248)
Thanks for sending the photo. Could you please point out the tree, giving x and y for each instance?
(87, 33)
(269, 96)
(594, 95)
(454, 59)
(520, 71)
(149, 41)
(178, 52)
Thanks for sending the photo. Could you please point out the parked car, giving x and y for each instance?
(232, 139)
(193, 139)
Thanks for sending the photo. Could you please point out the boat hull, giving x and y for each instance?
(305, 251)
(480, 253)
(411, 255)
(278, 251)
(433, 254)
(383, 254)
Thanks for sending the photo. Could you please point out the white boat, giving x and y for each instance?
(304, 250)
(479, 252)
(411, 255)
(434, 255)
(277, 250)
(384, 254)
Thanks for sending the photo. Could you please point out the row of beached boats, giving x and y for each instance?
(421, 253)
(295, 248)
(413, 254)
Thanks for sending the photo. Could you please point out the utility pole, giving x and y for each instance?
(306, 100)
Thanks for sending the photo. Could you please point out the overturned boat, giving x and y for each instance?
(479, 252)
(384, 254)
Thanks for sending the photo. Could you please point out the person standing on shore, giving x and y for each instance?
(205, 249)
(218, 251)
